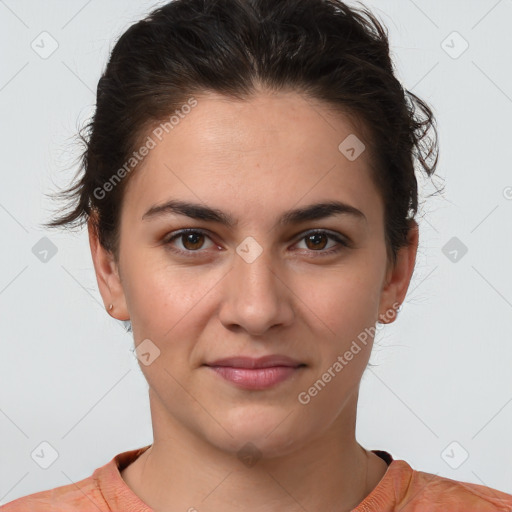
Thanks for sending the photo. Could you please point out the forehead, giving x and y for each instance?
(272, 149)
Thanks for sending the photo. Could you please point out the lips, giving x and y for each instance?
(254, 363)
(256, 373)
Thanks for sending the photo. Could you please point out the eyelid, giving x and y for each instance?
(181, 232)
(341, 240)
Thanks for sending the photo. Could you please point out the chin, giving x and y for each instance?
(267, 434)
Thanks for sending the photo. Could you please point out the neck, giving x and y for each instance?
(183, 471)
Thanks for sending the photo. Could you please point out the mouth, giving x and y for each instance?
(256, 373)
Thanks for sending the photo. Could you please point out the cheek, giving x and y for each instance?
(162, 297)
(344, 301)
(349, 309)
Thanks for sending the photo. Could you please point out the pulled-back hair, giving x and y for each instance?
(323, 49)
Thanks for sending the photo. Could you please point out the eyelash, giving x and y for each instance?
(343, 242)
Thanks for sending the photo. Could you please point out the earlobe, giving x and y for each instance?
(398, 277)
(107, 276)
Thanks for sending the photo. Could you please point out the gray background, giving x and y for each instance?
(443, 387)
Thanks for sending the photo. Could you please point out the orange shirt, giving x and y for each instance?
(401, 488)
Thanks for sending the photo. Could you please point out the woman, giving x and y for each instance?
(250, 194)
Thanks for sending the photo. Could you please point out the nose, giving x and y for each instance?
(256, 296)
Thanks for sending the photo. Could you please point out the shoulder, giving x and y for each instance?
(426, 491)
(408, 490)
(82, 496)
(103, 491)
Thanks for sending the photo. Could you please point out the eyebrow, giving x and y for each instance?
(200, 212)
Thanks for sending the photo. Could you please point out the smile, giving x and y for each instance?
(256, 378)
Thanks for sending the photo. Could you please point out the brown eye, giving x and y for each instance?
(316, 241)
(192, 240)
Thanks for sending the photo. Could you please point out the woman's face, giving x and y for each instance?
(259, 286)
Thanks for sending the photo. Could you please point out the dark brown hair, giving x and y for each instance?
(329, 52)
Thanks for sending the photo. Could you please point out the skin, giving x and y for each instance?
(254, 160)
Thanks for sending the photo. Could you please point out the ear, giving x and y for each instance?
(107, 275)
(398, 277)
